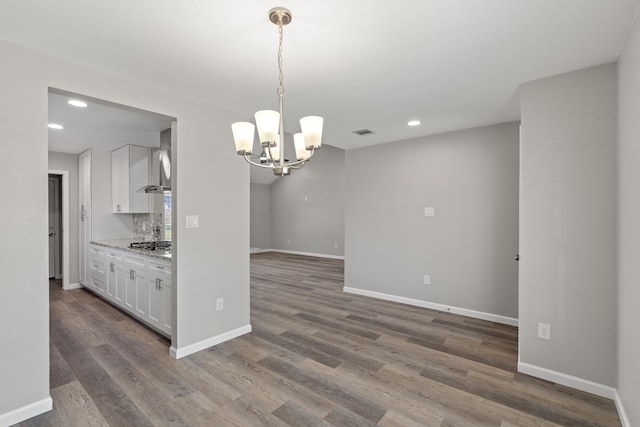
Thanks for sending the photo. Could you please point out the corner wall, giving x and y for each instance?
(307, 208)
(260, 216)
(629, 227)
(471, 179)
(568, 228)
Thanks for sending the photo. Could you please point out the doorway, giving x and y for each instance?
(58, 181)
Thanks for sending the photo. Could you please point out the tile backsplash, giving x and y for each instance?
(144, 225)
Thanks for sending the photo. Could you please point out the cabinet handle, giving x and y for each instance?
(159, 284)
(111, 268)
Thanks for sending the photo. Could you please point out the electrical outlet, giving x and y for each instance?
(427, 279)
(219, 304)
(429, 211)
(544, 331)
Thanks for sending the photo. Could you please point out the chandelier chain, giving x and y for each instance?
(280, 75)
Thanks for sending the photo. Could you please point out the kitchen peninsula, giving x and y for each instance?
(135, 276)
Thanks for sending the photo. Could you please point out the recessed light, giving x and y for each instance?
(77, 103)
(414, 123)
(55, 126)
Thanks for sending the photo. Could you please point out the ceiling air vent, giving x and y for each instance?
(363, 132)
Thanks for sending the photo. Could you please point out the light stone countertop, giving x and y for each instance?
(163, 254)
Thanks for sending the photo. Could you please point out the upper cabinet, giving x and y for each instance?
(129, 172)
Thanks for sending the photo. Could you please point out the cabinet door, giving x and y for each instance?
(142, 293)
(120, 180)
(120, 279)
(156, 303)
(130, 290)
(116, 279)
(139, 159)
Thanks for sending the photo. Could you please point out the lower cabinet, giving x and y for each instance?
(115, 277)
(159, 288)
(140, 285)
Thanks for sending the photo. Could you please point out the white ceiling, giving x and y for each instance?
(108, 126)
(453, 64)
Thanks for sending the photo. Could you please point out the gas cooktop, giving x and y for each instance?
(151, 246)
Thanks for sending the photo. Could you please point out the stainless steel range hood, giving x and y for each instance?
(164, 154)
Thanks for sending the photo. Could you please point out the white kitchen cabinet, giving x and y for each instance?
(84, 183)
(130, 172)
(116, 277)
(159, 286)
(137, 283)
(136, 292)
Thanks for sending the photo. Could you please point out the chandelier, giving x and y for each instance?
(270, 124)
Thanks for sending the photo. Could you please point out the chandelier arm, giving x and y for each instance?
(251, 162)
(300, 162)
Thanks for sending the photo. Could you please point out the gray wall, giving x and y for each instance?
(260, 216)
(69, 162)
(307, 208)
(629, 228)
(568, 194)
(212, 261)
(471, 179)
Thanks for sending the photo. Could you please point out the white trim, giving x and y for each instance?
(72, 286)
(567, 380)
(28, 411)
(624, 419)
(178, 353)
(65, 225)
(304, 253)
(259, 251)
(435, 306)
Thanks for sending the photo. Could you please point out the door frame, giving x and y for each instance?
(65, 224)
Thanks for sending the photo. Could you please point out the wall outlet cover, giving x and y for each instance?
(544, 331)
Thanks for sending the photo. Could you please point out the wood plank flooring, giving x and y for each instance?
(316, 357)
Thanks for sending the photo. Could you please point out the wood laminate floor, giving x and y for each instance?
(316, 357)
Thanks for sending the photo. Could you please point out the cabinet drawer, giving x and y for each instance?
(114, 256)
(98, 265)
(160, 267)
(96, 250)
(135, 261)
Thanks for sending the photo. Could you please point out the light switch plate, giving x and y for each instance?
(193, 221)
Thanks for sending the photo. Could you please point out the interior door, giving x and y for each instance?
(55, 216)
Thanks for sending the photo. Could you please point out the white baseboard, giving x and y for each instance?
(568, 380)
(26, 412)
(259, 251)
(435, 306)
(624, 419)
(304, 253)
(72, 286)
(178, 353)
